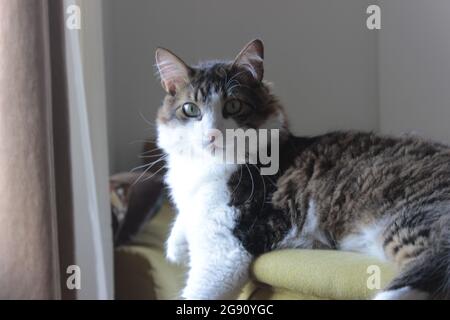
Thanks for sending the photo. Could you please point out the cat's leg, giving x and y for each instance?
(177, 248)
(218, 267)
(414, 282)
(423, 277)
(420, 245)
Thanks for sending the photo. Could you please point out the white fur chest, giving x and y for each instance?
(200, 190)
(202, 233)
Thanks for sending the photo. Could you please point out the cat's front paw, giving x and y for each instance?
(177, 251)
(196, 294)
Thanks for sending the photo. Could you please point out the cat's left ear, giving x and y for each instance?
(251, 58)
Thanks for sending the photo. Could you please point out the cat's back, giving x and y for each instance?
(358, 176)
(342, 146)
(365, 154)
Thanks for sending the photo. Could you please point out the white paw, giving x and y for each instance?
(405, 293)
(190, 293)
(211, 290)
(177, 252)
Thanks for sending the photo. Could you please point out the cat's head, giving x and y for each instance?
(212, 97)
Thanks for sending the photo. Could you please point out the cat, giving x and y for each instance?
(379, 195)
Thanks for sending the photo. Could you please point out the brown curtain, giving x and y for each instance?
(32, 94)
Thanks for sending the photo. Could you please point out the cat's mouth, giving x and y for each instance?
(213, 148)
(211, 144)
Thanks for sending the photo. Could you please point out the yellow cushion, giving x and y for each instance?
(142, 272)
(318, 274)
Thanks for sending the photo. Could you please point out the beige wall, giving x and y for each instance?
(319, 54)
(414, 57)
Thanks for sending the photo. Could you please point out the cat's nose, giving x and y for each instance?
(211, 137)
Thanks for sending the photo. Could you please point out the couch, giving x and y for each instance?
(142, 272)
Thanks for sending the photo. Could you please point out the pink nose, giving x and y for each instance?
(211, 138)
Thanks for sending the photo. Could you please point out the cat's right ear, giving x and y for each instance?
(173, 71)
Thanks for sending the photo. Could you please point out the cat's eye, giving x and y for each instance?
(233, 106)
(191, 110)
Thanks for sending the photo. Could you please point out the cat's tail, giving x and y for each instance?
(426, 276)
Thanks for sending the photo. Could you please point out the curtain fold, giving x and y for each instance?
(62, 144)
(91, 241)
(28, 232)
(54, 208)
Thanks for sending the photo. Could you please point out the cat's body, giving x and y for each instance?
(382, 196)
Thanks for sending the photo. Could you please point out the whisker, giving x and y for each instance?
(145, 171)
(226, 79)
(264, 185)
(239, 182)
(140, 167)
(265, 176)
(154, 174)
(253, 183)
(149, 164)
(150, 123)
(232, 83)
(150, 151)
(232, 87)
(140, 176)
(236, 75)
(152, 156)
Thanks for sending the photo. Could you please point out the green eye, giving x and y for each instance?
(233, 107)
(191, 110)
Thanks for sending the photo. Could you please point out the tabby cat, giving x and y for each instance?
(377, 195)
